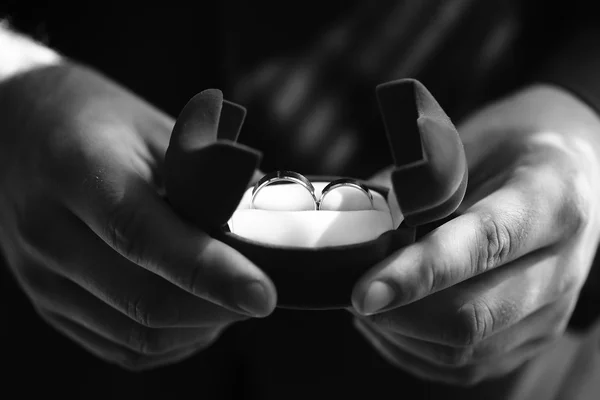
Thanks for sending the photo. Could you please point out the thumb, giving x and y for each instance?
(521, 217)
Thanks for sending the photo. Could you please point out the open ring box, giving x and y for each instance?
(209, 177)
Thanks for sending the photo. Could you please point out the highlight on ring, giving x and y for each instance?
(294, 177)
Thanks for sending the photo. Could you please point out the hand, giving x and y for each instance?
(484, 292)
(88, 236)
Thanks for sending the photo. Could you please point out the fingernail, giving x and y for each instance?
(378, 295)
(253, 299)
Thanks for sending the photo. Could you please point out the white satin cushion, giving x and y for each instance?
(284, 215)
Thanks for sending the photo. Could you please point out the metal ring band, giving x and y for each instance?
(289, 176)
(345, 182)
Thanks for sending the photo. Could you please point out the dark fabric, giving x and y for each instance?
(576, 66)
(573, 37)
(266, 56)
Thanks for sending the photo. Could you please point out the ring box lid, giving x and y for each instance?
(428, 182)
(429, 177)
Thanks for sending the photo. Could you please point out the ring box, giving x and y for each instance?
(428, 183)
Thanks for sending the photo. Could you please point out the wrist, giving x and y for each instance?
(34, 103)
(558, 109)
(535, 111)
(561, 113)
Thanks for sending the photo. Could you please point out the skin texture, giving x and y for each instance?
(84, 228)
(492, 287)
(104, 260)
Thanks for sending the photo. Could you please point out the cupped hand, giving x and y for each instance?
(90, 238)
(490, 288)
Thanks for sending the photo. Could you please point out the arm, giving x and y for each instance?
(499, 282)
(575, 68)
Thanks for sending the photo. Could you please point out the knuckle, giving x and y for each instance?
(122, 227)
(437, 273)
(471, 324)
(573, 215)
(151, 313)
(140, 311)
(495, 244)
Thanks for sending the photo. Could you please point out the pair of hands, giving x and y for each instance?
(103, 259)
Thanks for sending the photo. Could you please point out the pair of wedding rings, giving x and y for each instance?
(294, 177)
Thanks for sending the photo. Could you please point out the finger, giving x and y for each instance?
(528, 213)
(470, 312)
(114, 353)
(463, 376)
(104, 180)
(128, 214)
(547, 323)
(64, 298)
(86, 260)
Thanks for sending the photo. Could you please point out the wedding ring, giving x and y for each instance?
(345, 182)
(289, 176)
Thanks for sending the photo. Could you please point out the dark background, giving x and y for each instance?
(167, 55)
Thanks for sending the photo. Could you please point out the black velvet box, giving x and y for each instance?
(428, 182)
